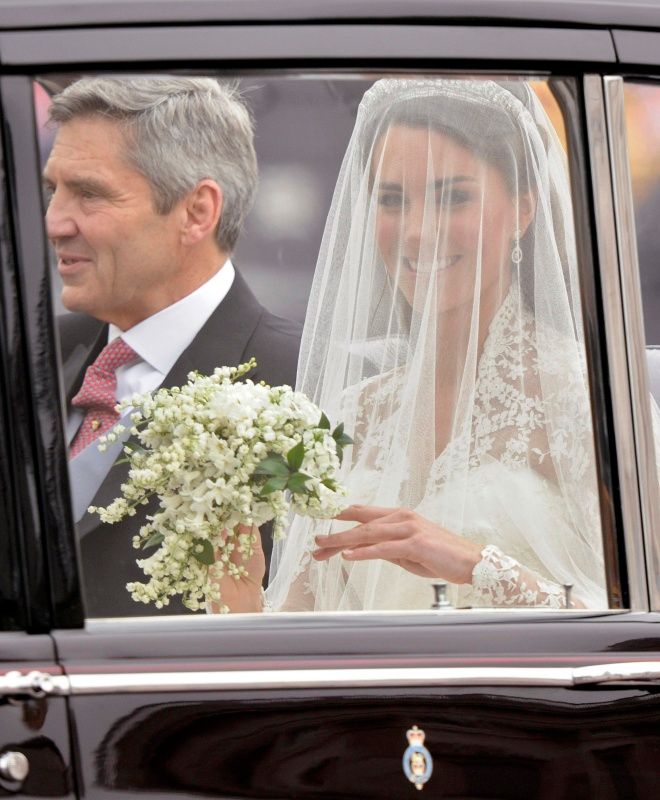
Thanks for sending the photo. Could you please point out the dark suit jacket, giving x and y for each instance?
(237, 330)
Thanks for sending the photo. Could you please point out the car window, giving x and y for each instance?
(422, 229)
(642, 102)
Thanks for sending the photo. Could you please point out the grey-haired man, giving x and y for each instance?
(149, 180)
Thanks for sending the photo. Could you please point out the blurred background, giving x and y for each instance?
(643, 131)
(303, 124)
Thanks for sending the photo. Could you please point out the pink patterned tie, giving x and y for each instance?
(97, 394)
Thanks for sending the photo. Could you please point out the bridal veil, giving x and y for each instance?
(444, 329)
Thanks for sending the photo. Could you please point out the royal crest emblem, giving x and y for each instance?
(417, 761)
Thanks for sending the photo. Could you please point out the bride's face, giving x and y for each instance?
(444, 218)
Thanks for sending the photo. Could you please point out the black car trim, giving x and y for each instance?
(320, 42)
(53, 587)
(51, 13)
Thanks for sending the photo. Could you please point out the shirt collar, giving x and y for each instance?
(161, 338)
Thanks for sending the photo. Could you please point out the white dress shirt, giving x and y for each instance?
(159, 340)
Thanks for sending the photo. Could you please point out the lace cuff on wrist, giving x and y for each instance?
(266, 606)
(499, 580)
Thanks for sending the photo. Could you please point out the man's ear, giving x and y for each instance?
(202, 210)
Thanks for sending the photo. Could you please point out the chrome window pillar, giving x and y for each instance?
(619, 275)
(634, 320)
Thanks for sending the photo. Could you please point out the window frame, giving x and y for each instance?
(633, 312)
(48, 428)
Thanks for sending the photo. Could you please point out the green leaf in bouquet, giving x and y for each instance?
(206, 555)
(274, 484)
(340, 450)
(296, 483)
(154, 540)
(341, 440)
(330, 484)
(338, 431)
(295, 456)
(324, 423)
(274, 464)
(340, 437)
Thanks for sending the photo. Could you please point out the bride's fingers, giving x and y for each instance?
(395, 550)
(364, 514)
(323, 554)
(360, 535)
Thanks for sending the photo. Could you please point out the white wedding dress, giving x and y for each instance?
(527, 529)
(444, 329)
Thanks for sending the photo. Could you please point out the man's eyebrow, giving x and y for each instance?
(79, 183)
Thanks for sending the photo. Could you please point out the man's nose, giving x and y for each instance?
(60, 219)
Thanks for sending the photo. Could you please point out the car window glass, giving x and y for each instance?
(423, 230)
(643, 134)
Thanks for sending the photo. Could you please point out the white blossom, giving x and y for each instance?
(200, 445)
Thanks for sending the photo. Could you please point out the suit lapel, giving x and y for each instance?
(222, 340)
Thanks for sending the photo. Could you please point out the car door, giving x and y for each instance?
(35, 744)
(511, 702)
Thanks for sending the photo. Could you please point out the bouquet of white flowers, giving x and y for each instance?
(221, 453)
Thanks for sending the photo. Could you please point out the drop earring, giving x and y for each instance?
(516, 253)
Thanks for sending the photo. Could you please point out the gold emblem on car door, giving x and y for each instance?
(417, 761)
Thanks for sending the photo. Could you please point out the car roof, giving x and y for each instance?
(39, 14)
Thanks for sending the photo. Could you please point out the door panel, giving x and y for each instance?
(260, 740)
(502, 742)
(36, 726)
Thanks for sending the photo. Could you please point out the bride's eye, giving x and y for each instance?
(453, 197)
(390, 200)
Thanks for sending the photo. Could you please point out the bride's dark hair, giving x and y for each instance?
(492, 135)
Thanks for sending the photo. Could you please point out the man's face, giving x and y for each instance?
(115, 254)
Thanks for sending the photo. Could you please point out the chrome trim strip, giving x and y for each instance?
(254, 680)
(608, 673)
(634, 320)
(615, 340)
(318, 679)
(362, 618)
(33, 684)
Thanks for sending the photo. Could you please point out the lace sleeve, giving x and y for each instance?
(499, 580)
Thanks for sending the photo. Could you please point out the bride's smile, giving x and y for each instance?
(440, 263)
(445, 219)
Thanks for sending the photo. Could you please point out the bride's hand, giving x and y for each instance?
(405, 538)
(244, 594)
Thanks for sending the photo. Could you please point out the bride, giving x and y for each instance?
(444, 328)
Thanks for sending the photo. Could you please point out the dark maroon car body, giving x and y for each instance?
(517, 704)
